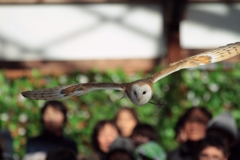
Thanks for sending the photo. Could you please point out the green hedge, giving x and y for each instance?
(218, 90)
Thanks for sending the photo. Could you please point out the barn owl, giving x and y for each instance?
(139, 91)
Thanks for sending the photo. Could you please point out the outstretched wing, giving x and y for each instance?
(212, 56)
(70, 90)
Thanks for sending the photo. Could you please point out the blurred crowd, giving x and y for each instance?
(199, 135)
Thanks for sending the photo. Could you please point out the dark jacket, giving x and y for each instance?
(186, 151)
(235, 150)
(6, 145)
(47, 141)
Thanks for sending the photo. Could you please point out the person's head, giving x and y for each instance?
(104, 133)
(223, 126)
(150, 151)
(53, 115)
(126, 119)
(143, 133)
(195, 120)
(61, 154)
(212, 148)
(121, 148)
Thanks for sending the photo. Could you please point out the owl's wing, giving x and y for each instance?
(70, 90)
(212, 56)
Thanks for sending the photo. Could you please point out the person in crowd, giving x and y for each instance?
(126, 119)
(53, 119)
(212, 148)
(150, 151)
(180, 134)
(104, 133)
(61, 154)
(121, 149)
(145, 139)
(6, 145)
(195, 120)
(143, 133)
(224, 127)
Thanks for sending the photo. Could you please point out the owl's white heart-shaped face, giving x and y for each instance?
(140, 94)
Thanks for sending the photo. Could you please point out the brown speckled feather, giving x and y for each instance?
(70, 90)
(212, 56)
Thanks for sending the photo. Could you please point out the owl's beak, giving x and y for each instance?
(139, 98)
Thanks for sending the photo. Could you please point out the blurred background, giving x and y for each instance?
(46, 43)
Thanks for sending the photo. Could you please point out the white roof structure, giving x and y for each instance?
(81, 32)
(210, 25)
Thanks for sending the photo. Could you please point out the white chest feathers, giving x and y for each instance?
(140, 94)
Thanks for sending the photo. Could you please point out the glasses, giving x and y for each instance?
(208, 157)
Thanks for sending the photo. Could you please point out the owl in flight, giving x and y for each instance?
(139, 91)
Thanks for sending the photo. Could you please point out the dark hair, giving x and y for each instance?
(61, 154)
(145, 130)
(119, 154)
(1, 153)
(222, 134)
(131, 110)
(56, 105)
(96, 130)
(211, 141)
(182, 120)
(200, 108)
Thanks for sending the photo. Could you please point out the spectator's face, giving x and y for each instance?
(212, 153)
(106, 136)
(126, 123)
(53, 119)
(195, 125)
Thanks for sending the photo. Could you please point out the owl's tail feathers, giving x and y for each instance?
(52, 93)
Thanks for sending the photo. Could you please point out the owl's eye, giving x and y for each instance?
(135, 93)
(144, 92)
